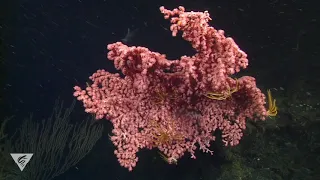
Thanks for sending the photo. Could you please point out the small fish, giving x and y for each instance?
(169, 160)
(129, 36)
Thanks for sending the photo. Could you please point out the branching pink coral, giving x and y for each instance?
(164, 104)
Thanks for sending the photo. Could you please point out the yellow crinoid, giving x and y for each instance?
(272, 109)
(166, 134)
(223, 95)
(161, 96)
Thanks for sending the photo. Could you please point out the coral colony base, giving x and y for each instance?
(176, 105)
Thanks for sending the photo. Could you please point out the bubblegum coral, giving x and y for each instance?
(175, 105)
